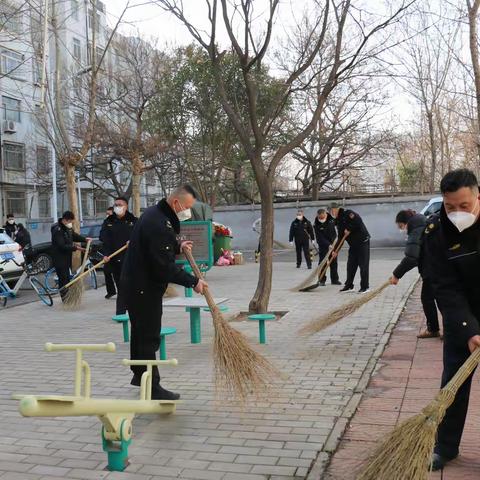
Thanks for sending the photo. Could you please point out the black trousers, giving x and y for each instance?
(303, 246)
(63, 274)
(116, 269)
(429, 306)
(450, 430)
(358, 257)
(322, 251)
(145, 312)
(109, 282)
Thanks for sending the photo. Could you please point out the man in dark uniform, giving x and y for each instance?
(107, 271)
(63, 237)
(115, 233)
(325, 233)
(359, 243)
(452, 241)
(301, 231)
(10, 227)
(149, 266)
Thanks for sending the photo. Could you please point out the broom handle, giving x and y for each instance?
(206, 292)
(463, 372)
(336, 249)
(99, 264)
(85, 256)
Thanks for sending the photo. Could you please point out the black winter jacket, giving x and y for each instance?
(23, 238)
(10, 230)
(301, 231)
(62, 244)
(415, 229)
(352, 221)
(325, 233)
(453, 267)
(116, 232)
(150, 260)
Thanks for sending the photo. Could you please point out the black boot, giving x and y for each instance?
(160, 393)
(439, 462)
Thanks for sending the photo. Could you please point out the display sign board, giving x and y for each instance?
(200, 233)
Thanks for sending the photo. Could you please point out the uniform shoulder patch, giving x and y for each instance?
(455, 247)
(168, 224)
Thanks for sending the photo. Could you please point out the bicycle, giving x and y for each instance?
(29, 273)
(51, 278)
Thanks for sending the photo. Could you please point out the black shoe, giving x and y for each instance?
(336, 283)
(364, 290)
(109, 295)
(439, 462)
(321, 284)
(309, 267)
(347, 289)
(160, 393)
(298, 266)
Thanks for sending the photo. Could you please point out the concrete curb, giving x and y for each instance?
(320, 464)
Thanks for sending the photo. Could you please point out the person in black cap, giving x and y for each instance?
(325, 233)
(358, 240)
(301, 231)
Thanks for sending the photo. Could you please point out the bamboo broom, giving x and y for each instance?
(86, 272)
(239, 370)
(338, 313)
(73, 297)
(321, 269)
(406, 452)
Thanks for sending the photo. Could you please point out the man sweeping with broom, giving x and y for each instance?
(452, 242)
(148, 268)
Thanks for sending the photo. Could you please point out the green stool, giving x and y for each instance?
(163, 344)
(260, 318)
(222, 308)
(123, 319)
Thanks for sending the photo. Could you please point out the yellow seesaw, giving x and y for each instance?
(116, 415)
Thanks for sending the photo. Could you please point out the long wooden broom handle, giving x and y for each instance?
(206, 292)
(85, 256)
(98, 265)
(336, 249)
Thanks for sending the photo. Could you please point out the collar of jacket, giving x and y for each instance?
(167, 210)
(128, 217)
(450, 231)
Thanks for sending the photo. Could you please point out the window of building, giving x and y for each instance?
(99, 53)
(12, 64)
(11, 109)
(85, 205)
(10, 18)
(101, 204)
(16, 202)
(74, 8)
(43, 160)
(77, 50)
(14, 156)
(78, 127)
(44, 205)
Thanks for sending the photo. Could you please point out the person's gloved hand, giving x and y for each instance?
(186, 245)
(291, 243)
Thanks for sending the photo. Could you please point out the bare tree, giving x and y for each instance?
(251, 45)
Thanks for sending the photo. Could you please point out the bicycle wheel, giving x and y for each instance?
(93, 279)
(51, 281)
(42, 292)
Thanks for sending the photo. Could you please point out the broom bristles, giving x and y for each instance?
(333, 316)
(315, 275)
(73, 297)
(239, 370)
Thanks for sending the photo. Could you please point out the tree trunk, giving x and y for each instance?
(72, 204)
(472, 22)
(433, 151)
(259, 302)
(136, 181)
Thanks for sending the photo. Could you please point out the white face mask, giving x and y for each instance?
(463, 220)
(11, 221)
(299, 217)
(184, 215)
(69, 225)
(119, 210)
(322, 220)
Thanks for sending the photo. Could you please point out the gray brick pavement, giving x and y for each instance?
(272, 440)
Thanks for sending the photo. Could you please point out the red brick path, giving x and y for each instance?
(407, 378)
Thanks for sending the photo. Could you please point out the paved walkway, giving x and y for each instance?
(275, 440)
(407, 378)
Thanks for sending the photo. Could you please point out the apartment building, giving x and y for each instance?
(26, 149)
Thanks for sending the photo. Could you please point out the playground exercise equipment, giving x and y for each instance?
(116, 415)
